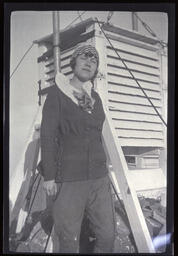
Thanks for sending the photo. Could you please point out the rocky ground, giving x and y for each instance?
(36, 231)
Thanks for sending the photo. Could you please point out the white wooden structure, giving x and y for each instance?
(139, 129)
(134, 136)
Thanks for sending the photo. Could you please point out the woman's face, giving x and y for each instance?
(85, 67)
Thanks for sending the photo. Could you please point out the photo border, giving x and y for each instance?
(168, 8)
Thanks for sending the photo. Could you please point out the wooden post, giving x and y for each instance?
(163, 151)
(129, 196)
(134, 22)
(163, 85)
(56, 41)
(53, 244)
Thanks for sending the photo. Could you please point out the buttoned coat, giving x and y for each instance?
(71, 144)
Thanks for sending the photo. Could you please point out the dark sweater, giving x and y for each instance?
(71, 146)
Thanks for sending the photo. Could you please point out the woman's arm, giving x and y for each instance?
(49, 133)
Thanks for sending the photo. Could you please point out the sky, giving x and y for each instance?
(27, 26)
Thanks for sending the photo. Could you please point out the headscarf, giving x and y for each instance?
(84, 49)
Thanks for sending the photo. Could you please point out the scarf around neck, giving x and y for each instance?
(83, 99)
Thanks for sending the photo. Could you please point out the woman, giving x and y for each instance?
(73, 159)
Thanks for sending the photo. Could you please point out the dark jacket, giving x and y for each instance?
(71, 146)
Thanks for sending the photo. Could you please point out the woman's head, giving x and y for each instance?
(84, 63)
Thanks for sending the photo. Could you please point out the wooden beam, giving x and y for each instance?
(131, 203)
(130, 34)
(56, 41)
(134, 22)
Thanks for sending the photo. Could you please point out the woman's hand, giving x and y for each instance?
(50, 187)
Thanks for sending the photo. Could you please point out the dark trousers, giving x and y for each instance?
(92, 197)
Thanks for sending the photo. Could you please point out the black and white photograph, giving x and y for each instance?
(88, 144)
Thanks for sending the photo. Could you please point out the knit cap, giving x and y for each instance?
(85, 49)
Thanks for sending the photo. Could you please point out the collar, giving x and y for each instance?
(64, 85)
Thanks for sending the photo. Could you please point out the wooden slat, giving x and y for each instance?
(146, 77)
(64, 57)
(41, 68)
(133, 49)
(50, 63)
(64, 71)
(133, 142)
(131, 107)
(130, 34)
(141, 42)
(50, 68)
(133, 66)
(134, 116)
(50, 82)
(131, 82)
(49, 76)
(67, 53)
(134, 58)
(134, 91)
(139, 134)
(69, 75)
(65, 62)
(133, 124)
(120, 77)
(133, 99)
(137, 75)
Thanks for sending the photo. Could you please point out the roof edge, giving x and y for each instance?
(70, 29)
(107, 27)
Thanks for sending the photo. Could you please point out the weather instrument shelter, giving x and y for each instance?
(125, 58)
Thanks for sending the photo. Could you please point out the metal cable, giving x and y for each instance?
(48, 239)
(149, 29)
(30, 190)
(79, 16)
(117, 195)
(30, 208)
(75, 20)
(132, 74)
(34, 235)
(21, 60)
